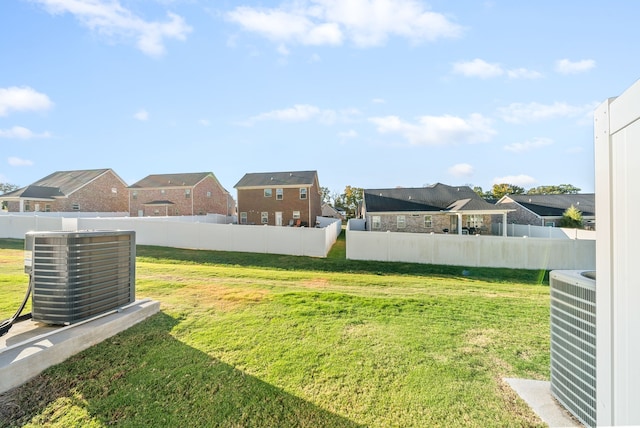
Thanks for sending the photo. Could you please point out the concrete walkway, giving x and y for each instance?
(537, 394)
(29, 347)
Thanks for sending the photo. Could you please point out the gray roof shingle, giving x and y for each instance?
(266, 179)
(189, 179)
(556, 205)
(437, 197)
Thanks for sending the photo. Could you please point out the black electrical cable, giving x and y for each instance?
(6, 324)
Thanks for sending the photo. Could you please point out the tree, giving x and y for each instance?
(350, 200)
(561, 189)
(7, 187)
(572, 218)
(326, 195)
(499, 190)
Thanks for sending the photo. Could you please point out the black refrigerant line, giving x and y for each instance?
(6, 324)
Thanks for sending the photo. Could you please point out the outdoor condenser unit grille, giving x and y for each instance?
(573, 342)
(77, 275)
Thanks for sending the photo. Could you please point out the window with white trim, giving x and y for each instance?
(428, 221)
(401, 221)
(75, 207)
(303, 193)
(187, 193)
(264, 217)
(268, 193)
(243, 218)
(375, 222)
(296, 214)
(134, 195)
(279, 194)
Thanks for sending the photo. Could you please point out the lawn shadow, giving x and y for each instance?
(145, 377)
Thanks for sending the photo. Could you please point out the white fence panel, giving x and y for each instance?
(16, 226)
(475, 251)
(532, 231)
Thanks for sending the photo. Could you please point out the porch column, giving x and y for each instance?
(459, 215)
(504, 224)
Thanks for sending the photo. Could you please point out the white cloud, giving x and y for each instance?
(23, 98)
(565, 66)
(364, 23)
(110, 19)
(484, 70)
(141, 115)
(304, 113)
(533, 112)
(14, 161)
(204, 122)
(438, 130)
(378, 101)
(523, 73)
(521, 180)
(525, 146)
(478, 68)
(22, 133)
(461, 170)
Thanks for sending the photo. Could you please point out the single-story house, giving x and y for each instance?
(197, 193)
(547, 210)
(279, 198)
(88, 190)
(438, 208)
(331, 212)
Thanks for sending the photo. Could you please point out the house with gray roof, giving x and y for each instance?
(547, 210)
(88, 190)
(438, 208)
(289, 198)
(195, 193)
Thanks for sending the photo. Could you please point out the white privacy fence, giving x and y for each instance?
(542, 231)
(475, 251)
(168, 232)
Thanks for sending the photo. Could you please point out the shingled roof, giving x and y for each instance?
(154, 181)
(282, 179)
(437, 197)
(556, 205)
(58, 184)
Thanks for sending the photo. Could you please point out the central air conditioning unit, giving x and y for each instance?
(573, 342)
(78, 275)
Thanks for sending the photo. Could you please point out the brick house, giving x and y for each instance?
(279, 198)
(547, 210)
(90, 190)
(433, 209)
(197, 193)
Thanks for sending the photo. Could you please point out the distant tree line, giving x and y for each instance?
(502, 189)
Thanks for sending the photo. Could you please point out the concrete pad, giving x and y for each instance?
(537, 394)
(29, 347)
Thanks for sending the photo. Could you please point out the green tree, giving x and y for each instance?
(326, 195)
(560, 189)
(499, 190)
(350, 200)
(7, 187)
(572, 218)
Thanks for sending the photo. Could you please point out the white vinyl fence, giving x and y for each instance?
(532, 231)
(171, 232)
(473, 251)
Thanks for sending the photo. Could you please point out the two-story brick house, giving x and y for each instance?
(89, 190)
(279, 198)
(197, 193)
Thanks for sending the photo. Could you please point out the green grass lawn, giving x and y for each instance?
(255, 340)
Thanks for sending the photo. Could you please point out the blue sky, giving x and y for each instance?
(370, 93)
